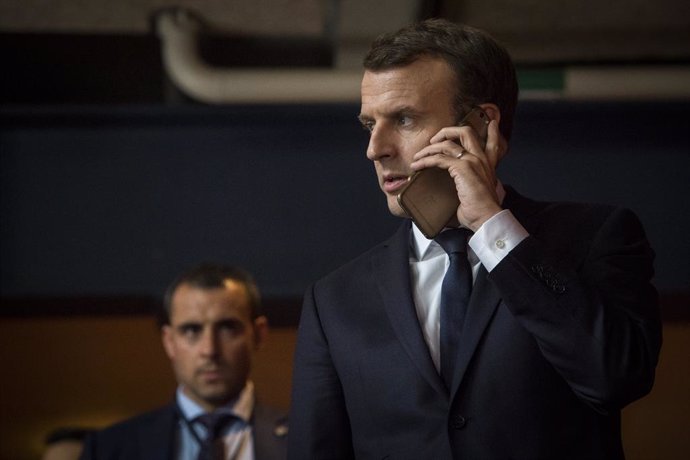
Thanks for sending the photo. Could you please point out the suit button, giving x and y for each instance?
(458, 422)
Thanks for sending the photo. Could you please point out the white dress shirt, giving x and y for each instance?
(237, 438)
(429, 262)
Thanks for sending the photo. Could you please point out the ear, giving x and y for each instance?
(168, 342)
(492, 111)
(260, 332)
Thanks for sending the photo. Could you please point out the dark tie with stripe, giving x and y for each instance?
(210, 448)
(455, 297)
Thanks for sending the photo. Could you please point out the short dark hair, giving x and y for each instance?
(483, 68)
(209, 275)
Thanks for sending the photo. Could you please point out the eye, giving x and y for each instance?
(368, 125)
(405, 121)
(190, 331)
(230, 328)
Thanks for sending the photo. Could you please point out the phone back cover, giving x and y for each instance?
(430, 200)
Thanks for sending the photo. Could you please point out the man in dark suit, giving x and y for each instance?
(561, 329)
(213, 325)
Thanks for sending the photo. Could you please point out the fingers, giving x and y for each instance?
(448, 146)
(496, 145)
(464, 136)
(471, 163)
(458, 150)
(456, 141)
(441, 154)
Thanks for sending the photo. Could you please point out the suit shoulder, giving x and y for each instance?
(127, 427)
(356, 267)
(589, 218)
(267, 412)
(583, 216)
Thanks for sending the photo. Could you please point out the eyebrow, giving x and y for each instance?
(220, 321)
(395, 113)
(187, 324)
(364, 118)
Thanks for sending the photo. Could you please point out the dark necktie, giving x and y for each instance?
(455, 296)
(210, 449)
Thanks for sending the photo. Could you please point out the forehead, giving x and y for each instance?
(195, 303)
(422, 84)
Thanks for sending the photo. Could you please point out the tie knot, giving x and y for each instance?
(214, 423)
(453, 241)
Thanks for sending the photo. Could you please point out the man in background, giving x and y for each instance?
(213, 325)
(519, 332)
(65, 443)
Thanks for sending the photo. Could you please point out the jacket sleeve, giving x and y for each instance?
(594, 313)
(319, 425)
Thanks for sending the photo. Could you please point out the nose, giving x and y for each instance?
(381, 144)
(209, 343)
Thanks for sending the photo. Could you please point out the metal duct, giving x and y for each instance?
(179, 30)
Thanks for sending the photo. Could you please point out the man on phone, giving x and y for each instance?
(519, 332)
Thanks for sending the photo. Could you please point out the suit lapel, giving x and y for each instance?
(392, 272)
(270, 433)
(483, 304)
(485, 297)
(390, 267)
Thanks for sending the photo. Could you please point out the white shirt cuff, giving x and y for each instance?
(496, 238)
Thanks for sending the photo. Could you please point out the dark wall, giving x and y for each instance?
(632, 154)
(119, 201)
(116, 201)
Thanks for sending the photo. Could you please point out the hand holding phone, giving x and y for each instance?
(430, 198)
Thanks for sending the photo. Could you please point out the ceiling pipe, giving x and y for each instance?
(179, 31)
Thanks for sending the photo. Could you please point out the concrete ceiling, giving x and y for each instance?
(533, 30)
(294, 17)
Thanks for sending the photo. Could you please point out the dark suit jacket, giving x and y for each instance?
(562, 334)
(151, 436)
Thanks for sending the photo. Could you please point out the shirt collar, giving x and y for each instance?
(241, 407)
(423, 248)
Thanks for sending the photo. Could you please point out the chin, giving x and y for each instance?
(217, 398)
(395, 208)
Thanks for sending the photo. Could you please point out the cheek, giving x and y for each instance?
(422, 138)
(416, 142)
(378, 167)
(237, 352)
(407, 154)
(184, 363)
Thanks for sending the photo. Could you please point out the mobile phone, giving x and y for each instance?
(430, 198)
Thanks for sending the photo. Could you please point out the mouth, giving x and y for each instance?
(393, 183)
(210, 373)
